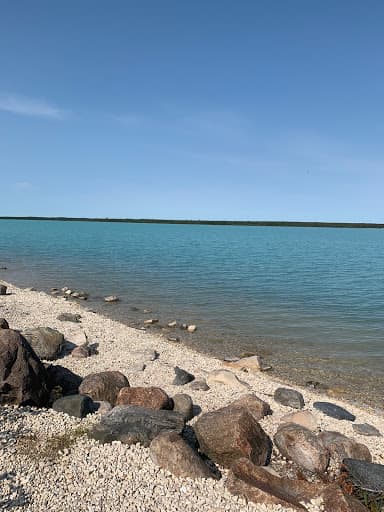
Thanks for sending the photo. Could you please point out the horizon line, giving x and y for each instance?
(272, 223)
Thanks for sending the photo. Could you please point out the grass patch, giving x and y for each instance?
(51, 448)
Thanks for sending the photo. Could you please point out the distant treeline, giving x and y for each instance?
(211, 222)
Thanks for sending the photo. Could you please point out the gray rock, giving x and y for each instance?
(81, 352)
(174, 339)
(334, 411)
(366, 475)
(3, 289)
(182, 377)
(111, 299)
(46, 342)
(131, 424)
(23, 379)
(364, 429)
(289, 397)
(69, 317)
(103, 386)
(183, 404)
(300, 445)
(102, 407)
(3, 324)
(199, 385)
(74, 405)
(169, 451)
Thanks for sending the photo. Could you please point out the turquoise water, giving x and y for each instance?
(310, 299)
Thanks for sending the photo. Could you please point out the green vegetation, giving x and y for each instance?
(211, 222)
(49, 448)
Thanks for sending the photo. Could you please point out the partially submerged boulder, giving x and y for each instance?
(230, 433)
(103, 386)
(45, 341)
(23, 379)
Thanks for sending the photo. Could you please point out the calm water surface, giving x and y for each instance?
(310, 299)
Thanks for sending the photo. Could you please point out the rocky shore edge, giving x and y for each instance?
(73, 383)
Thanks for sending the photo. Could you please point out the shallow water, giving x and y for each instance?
(310, 299)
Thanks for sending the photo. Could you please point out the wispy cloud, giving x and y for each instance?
(33, 107)
(23, 185)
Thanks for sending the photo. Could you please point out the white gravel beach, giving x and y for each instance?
(114, 477)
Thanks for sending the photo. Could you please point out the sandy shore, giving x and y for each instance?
(115, 477)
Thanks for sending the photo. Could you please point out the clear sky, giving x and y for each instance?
(203, 109)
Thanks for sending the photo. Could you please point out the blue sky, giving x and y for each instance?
(252, 110)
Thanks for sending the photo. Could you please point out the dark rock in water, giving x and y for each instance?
(3, 268)
(174, 339)
(314, 384)
(131, 424)
(46, 342)
(183, 404)
(300, 445)
(341, 447)
(366, 475)
(69, 317)
(170, 451)
(103, 386)
(364, 429)
(23, 379)
(3, 324)
(334, 411)
(182, 377)
(3, 289)
(230, 433)
(59, 376)
(199, 385)
(133, 308)
(289, 397)
(74, 405)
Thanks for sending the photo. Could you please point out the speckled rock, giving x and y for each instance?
(289, 398)
(171, 452)
(228, 434)
(150, 397)
(341, 447)
(254, 405)
(300, 445)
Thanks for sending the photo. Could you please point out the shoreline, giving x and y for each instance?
(123, 348)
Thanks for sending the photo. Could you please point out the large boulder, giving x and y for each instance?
(23, 379)
(66, 380)
(169, 451)
(46, 342)
(258, 485)
(149, 397)
(103, 386)
(131, 424)
(301, 446)
(230, 433)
